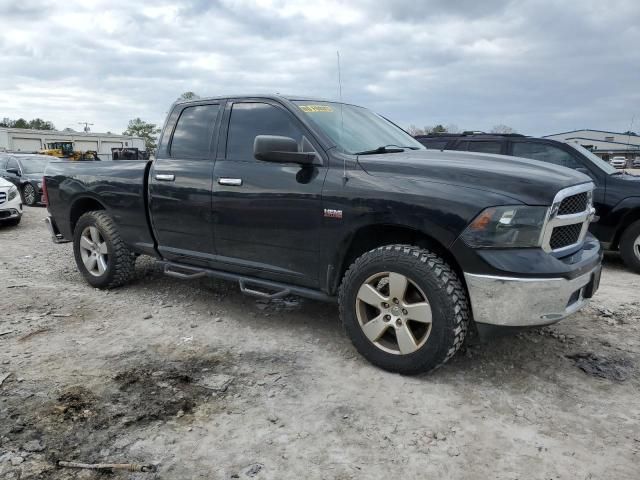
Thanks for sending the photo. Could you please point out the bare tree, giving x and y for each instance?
(502, 129)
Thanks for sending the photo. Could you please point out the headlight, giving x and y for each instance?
(39, 184)
(13, 193)
(505, 227)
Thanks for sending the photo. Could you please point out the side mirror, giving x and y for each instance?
(272, 148)
(15, 171)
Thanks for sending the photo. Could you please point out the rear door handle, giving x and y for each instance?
(165, 177)
(233, 182)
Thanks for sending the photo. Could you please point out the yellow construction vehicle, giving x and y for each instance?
(65, 150)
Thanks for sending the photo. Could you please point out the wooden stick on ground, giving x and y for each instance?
(130, 467)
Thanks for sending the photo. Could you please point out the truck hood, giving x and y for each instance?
(527, 181)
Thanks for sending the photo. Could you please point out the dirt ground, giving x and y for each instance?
(204, 382)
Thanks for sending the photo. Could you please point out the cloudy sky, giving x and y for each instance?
(539, 66)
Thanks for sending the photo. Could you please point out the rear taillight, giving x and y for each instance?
(44, 198)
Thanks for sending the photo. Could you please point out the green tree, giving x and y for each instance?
(148, 131)
(189, 96)
(39, 124)
(20, 123)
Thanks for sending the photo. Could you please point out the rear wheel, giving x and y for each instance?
(29, 195)
(100, 253)
(630, 246)
(404, 308)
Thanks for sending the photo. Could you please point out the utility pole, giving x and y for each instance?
(86, 126)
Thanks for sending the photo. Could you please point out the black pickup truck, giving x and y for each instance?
(333, 202)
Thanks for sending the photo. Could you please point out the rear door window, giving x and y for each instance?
(194, 132)
(545, 153)
(485, 147)
(3, 163)
(434, 144)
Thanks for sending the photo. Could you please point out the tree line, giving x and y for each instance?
(452, 128)
(35, 124)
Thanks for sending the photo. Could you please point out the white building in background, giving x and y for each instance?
(25, 140)
(604, 144)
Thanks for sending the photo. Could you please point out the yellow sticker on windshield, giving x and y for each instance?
(316, 108)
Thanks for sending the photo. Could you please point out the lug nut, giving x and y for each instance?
(395, 300)
(398, 323)
(387, 318)
(385, 305)
(404, 311)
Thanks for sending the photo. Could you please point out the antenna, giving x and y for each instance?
(86, 126)
(344, 161)
(633, 119)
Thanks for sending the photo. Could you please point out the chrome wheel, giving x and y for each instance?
(394, 313)
(29, 194)
(636, 247)
(93, 250)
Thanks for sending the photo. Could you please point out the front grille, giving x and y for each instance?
(5, 213)
(3, 197)
(565, 235)
(574, 204)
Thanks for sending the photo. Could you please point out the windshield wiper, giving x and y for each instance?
(385, 149)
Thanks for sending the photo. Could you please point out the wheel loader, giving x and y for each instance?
(65, 150)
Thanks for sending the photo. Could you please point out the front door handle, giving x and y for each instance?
(233, 182)
(165, 177)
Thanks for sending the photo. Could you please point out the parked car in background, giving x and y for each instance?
(10, 203)
(333, 202)
(616, 197)
(636, 162)
(619, 162)
(25, 172)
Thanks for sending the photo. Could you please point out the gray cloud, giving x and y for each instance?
(539, 66)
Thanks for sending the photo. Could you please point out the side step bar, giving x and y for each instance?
(185, 272)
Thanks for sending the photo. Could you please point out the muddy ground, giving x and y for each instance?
(204, 382)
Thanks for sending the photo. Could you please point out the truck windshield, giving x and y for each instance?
(593, 158)
(356, 129)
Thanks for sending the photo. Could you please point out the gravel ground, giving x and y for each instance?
(207, 383)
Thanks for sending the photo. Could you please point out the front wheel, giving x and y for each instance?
(29, 195)
(100, 253)
(630, 246)
(404, 308)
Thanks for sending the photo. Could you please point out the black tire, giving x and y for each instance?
(630, 246)
(13, 222)
(30, 195)
(120, 263)
(443, 290)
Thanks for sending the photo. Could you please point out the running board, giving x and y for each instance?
(247, 284)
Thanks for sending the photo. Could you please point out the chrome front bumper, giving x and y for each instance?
(528, 302)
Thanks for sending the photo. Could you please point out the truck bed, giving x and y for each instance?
(120, 188)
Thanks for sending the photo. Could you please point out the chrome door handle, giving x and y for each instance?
(165, 177)
(233, 182)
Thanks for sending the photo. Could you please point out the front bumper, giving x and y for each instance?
(528, 302)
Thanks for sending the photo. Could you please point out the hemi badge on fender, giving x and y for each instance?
(330, 213)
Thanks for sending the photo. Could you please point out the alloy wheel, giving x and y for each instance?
(29, 194)
(636, 247)
(394, 313)
(94, 252)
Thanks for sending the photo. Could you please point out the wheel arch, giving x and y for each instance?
(371, 236)
(633, 215)
(81, 206)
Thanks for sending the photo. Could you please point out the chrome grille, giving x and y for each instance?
(3, 197)
(565, 235)
(574, 204)
(568, 219)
